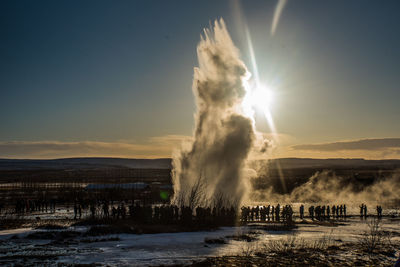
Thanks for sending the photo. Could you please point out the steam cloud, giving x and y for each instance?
(327, 187)
(212, 168)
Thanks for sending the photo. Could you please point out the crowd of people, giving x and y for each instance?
(363, 210)
(170, 213)
(267, 213)
(326, 212)
(37, 205)
(157, 213)
(285, 213)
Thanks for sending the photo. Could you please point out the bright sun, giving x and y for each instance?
(261, 98)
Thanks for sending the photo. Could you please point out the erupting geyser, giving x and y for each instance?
(211, 170)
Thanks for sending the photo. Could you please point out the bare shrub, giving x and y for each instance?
(192, 197)
(196, 196)
(282, 245)
(292, 243)
(374, 238)
(322, 243)
(248, 249)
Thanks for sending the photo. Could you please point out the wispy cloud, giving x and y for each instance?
(363, 144)
(277, 14)
(374, 148)
(153, 148)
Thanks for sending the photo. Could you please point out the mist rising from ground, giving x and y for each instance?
(325, 187)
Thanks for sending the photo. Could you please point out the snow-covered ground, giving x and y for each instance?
(166, 248)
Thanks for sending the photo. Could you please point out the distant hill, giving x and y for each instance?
(84, 163)
(165, 163)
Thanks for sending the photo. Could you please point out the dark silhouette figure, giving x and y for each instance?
(277, 212)
(75, 211)
(361, 210)
(328, 213)
(379, 211)
(344, 211)
(365, 211)
(311, 211)
(302, 211)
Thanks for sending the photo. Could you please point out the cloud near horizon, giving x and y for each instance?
(366, 148)
(155, 147)
(362, 144)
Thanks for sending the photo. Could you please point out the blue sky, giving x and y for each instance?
(121, 71)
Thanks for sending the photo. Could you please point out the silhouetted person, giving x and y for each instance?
(122, 210)
(105, 209)
(272, 213)
(318, 212)
(252, 211)
(328, 212)
(244, 214)
(257, 213)
(158, 212)
(361, 210)
(379, 211)
(176, 212)
(277, 211)
(302, 211)
(80, 211)
(263, 214)
(289, 214)
(344, 211)
(284, 213)
(311, 211)
(114, 212)
(75, 211)
(92, 210)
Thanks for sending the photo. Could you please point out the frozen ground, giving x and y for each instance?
(166, 248)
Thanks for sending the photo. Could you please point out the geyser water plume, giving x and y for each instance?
(211, 169)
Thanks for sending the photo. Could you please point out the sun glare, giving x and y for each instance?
(262, 98)
(259, 98)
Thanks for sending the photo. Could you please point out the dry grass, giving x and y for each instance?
(292, 243)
